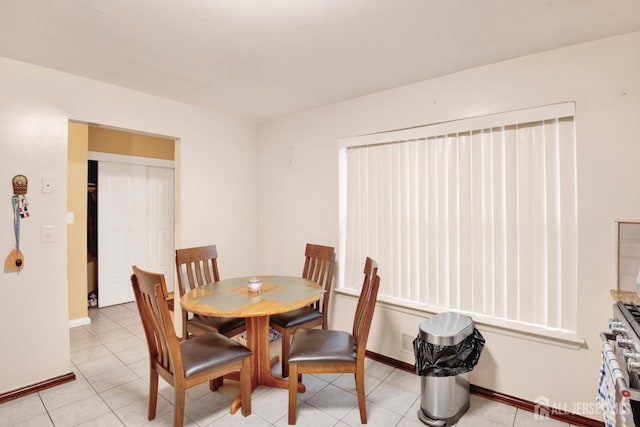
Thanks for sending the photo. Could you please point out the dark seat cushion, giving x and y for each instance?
(216, 324)
(210, 351)
(295, 317)
(322, 345)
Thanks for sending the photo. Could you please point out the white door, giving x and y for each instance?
(135, 226)
(160, 247)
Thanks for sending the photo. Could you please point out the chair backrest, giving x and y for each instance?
(366, 305)
(318, 266)
(151, 297)
(196, 267)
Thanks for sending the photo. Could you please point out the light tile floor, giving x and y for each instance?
(110, 362)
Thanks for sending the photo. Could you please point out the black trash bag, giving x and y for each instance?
(447, 360)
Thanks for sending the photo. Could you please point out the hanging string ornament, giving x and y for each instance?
(15, 260)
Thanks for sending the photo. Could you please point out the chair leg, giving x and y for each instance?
(245, 387)
(362, 402)
(286, 344)
(293, 392)
(178, 415)
(153, 393)
(185, 333)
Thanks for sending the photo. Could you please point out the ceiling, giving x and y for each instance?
(265, 59)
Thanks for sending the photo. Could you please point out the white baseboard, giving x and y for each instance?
(79, 322)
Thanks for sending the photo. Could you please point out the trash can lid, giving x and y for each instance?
(446, 328)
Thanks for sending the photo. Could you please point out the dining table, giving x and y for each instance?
(237, 297)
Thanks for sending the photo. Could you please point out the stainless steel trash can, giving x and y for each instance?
(444, 399)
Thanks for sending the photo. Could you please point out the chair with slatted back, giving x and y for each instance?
(184, 364)
(318, 267)
(197, 267)
(331, 351)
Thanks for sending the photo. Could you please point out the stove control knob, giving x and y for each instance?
(617, 328)
(629, 354)
(633, 365)
(623, 342)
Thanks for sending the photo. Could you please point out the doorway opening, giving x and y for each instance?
(92, 233)
(130, 211)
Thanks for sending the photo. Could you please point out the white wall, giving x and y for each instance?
(215, 198)
(298, 181)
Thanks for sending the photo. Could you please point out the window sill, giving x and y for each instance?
(510, 328)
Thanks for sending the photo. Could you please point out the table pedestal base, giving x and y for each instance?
(258, 342)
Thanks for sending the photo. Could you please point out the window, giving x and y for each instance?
(476, 215)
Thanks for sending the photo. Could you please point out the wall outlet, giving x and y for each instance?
(407, 342)
(47, 234)
(48, 184)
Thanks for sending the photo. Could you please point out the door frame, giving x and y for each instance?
(134, 160)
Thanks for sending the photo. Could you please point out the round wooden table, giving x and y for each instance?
(231, 298)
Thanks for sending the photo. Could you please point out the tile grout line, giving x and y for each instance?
(45, 408)
(96, 391)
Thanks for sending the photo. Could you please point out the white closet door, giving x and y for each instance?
(122, 229)
(160, 222)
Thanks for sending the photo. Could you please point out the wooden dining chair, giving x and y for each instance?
(318, 267)
(197, 267)
(187, 363)
(331, 351)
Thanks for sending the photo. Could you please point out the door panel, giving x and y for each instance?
(121, 229)
(160, 221)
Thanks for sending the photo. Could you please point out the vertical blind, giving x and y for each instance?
(481, 220)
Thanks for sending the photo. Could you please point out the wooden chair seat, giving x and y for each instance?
(225, 325)
(209, 351)
(326, 346)
(296, 317)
